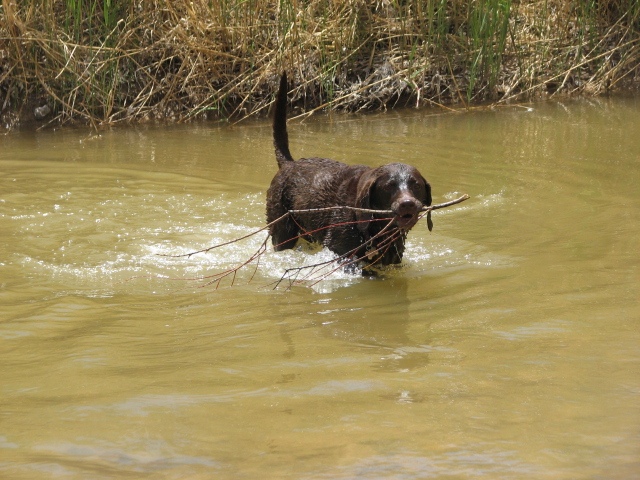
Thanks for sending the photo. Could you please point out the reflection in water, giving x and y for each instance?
(505, 346)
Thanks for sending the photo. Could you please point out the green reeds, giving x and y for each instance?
(107, 61)
(90, 21)
(488, 28)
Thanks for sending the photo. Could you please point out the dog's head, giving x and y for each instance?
(397, 187)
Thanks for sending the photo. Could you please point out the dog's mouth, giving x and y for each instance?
(406, 213)
(406, 221)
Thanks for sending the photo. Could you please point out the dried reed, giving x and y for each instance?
(105, 62)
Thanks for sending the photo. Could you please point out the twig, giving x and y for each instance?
(438, 206)
(369, 210)
(317, 272)
(343, 260)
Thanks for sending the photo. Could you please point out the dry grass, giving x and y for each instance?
(95, 62)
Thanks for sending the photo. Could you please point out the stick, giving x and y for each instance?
(368, 210)
(312, 210)
(446, 204)
(319, 271)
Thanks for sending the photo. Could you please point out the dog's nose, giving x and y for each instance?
(407, 208)
(406, 211)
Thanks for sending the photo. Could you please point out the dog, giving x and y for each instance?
(359, 237)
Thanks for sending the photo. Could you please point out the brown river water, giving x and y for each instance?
(506, 346)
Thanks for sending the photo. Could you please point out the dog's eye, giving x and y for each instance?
(415, 186)
(389, 186)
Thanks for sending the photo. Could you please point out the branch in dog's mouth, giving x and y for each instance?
(387, 212)
(375, 248)
(446, 204)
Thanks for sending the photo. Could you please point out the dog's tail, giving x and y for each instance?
(280, 137)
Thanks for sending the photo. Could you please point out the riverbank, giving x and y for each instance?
(98, 63)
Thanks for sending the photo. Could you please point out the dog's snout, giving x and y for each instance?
(407, 207)
(406, 211)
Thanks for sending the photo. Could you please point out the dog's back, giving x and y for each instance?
(307, 183)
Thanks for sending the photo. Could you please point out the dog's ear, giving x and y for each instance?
(363, 193)
(363, 198)
(427, 197)
(427, 201)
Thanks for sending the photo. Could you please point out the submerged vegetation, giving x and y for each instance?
(104, 62)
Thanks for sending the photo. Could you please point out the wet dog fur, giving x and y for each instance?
(311, 183)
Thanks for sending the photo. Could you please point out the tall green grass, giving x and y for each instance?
(488, 28)
(108, 61)
(90, 21)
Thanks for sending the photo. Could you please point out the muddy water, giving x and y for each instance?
(507, 346)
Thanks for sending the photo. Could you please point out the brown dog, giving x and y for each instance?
(311, 183)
